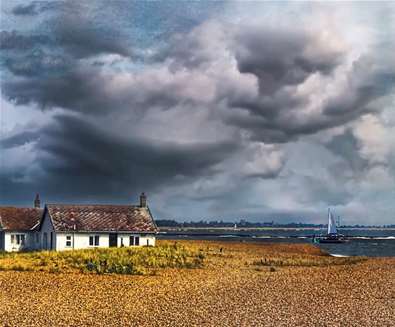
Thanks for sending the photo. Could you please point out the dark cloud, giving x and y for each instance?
(73, 90)
(25, 10)
(70, 33)
(79, 160)
(14, 190)
(36, 8)
(279, 117)
(37, 63)
(81, 39)
(346, 147)
(19, 139)
(15, 41)
(81, 29)
(279, 58)
(82, 160)
(88, 90)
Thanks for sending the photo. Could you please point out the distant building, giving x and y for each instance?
(66, 227)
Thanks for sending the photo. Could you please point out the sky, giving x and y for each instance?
(216, 110)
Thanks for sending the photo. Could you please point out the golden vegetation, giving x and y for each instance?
(229, 289)
(306, 261)
(131, 261)
(168, 254)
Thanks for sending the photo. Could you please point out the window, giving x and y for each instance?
(18, 239)
(94, 240)
(68, 241)
(134, 240)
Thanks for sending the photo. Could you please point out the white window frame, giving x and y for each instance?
(69, 241)
(94, 239)
(132, 240)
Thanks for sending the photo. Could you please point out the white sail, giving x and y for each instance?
(331, 223)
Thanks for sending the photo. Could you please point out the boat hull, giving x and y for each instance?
(330, 241)
(336, 239)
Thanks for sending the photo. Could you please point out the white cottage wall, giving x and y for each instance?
(79, 240)
(60, 241)
(7, 243)
(12, 247)
(145, 239)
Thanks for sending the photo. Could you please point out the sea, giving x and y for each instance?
(359, 242)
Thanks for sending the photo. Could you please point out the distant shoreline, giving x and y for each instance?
(186, 229)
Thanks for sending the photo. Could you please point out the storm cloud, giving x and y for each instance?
(209, 111)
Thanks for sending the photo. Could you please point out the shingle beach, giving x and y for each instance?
(241, 284)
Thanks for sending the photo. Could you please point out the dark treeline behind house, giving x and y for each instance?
(246, 224)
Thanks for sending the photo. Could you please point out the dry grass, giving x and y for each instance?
(306, 261)
(130, 261)
(229, 290)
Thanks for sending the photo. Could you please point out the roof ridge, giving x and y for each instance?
(11, 207)
(92, 205)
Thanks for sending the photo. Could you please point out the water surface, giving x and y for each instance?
(361, 242)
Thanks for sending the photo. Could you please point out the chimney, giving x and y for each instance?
(37, 201)
(143, 200)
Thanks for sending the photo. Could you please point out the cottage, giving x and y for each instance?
(19, 227)
(66, 227)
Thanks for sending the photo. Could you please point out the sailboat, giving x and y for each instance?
(332, 234)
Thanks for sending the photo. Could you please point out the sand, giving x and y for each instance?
(229, 291)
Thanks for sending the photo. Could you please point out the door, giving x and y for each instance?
(51, 242)
(45, 241)
(113, 240)
(2, 241)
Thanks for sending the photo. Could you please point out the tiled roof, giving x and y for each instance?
(101, 218)
(19, 219)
